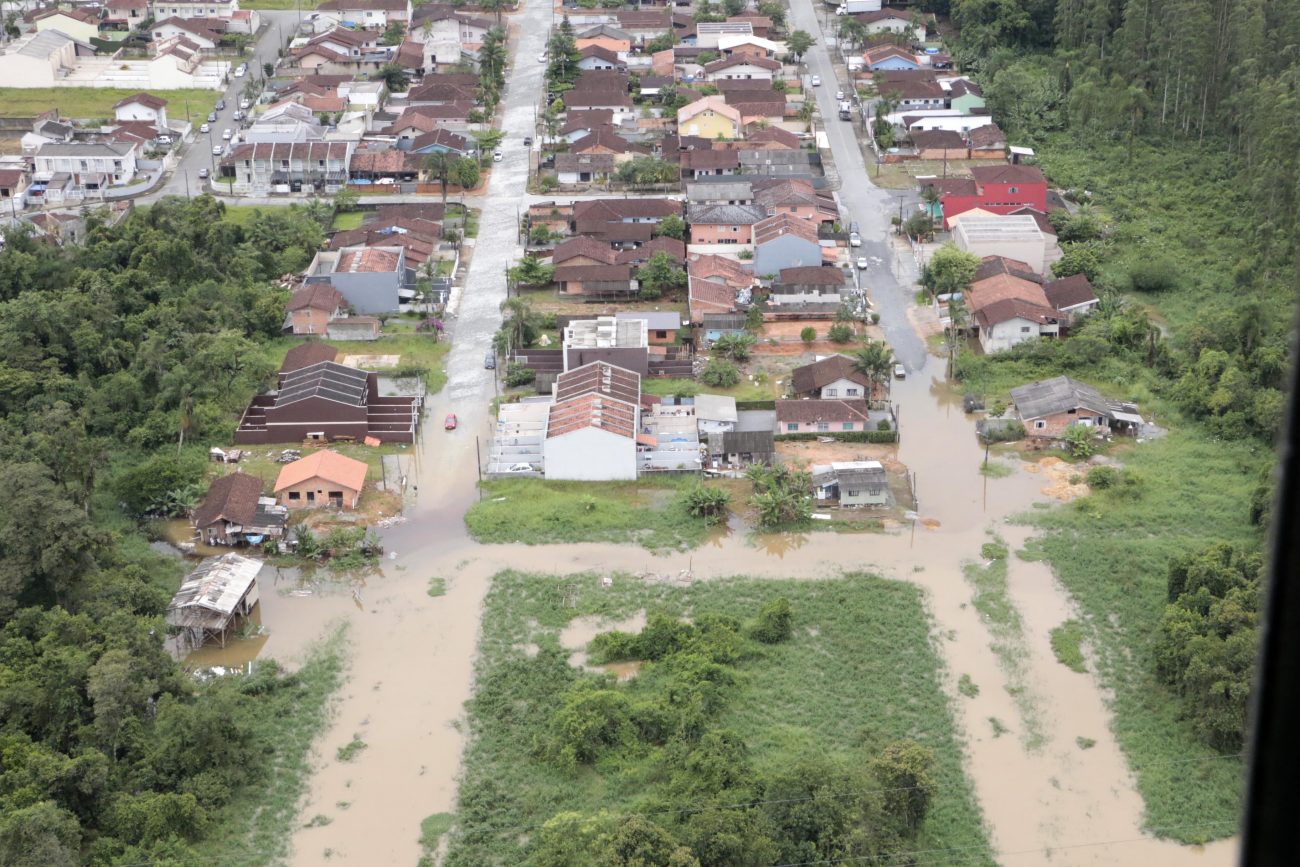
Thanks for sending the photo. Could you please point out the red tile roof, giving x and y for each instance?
(369, 259)
(143, 98)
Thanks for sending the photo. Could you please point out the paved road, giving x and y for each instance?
(280, 27)
(868, 205)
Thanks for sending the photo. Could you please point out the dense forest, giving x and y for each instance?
(1173, 125)
(113, 354)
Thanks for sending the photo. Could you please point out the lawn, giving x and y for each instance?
(902, 176)
(538, 512)
(420, 353)
(345, 220)
(96, 103)
(1112, 552)
(255, 461)
(279, 4)
(744, 390)
(257, 823)
(859, 671)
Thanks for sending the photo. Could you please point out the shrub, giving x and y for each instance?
(883, 425)
(1080, 441)
(548, 183)
(518, 374)
(774, 623)
(1101, 478)
(1153, 275)
(808, 334)
(720, 373)
(840, 333)
(707, 503)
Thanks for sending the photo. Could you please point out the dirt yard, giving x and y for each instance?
(1061, 480)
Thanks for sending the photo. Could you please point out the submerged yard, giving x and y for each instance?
(857, 672)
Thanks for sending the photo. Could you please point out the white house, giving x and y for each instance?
(445, 34)
(188, 28)
(40, 59)
(592, 425)
(370, 14)
(1013, 237)
(741, 67)
(161, 9)
(143, 106)
(80, 24)
(1011, 321)
(90, 163)
(890, 21)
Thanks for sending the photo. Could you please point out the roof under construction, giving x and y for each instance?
(214, 593)
(326, 379)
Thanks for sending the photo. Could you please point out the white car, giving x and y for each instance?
(241, 70)
(496, 156)
(218, 150)
(205, 127)
(227, 134)
(245, 103)
(519, 468)
(862, 263)
(541, 58)
(839, 94)
(855, 240)
(900, 372)
(816, 81)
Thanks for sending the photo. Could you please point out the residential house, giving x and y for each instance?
(259, 168)
(81, 24)
(370, 14)
(780, 163)
(715, 413)
(592, 425)
(1046, 408)
(326, 401)
(832, 377)
(889, 58)
(716, 285)
(571, 168)
(712, 118)
(371, 279)
(442, 88)
(608, 37)
(234, 512)
(617, 102)
(142, 107)
(965, 96)
(92, 165)
(447, 35)
(914, 89)
(760, 25)
(992, 265)
(724, 224)
(708, 33)
(806, 291)
(851, 483)
(785, 241)
(13, 185)
(720, 193)
(939, 145)
(41, 59)
(772, 138)
(125, 14)
(1071, 295)
(160, 9)
(987, 142)
(703, 163)
(418, 238)
(606, 141)
(373, 162)
(891, 21)
(580, 124)
(325, 478)
(595, 216)
(821, 416)
(311, 308)
(641, 253)
(583, 251)
(643, 25)
(1000, 189)
(748, 442)
(596, 281)
(219, 594)
(757, 107)
(595, 57)
(662, 326)
(795, 197)
(1016, 237)
(206, 33)
(441, 141)
(743, 68)
(1012, 321)
(624, 342)
(285, 123)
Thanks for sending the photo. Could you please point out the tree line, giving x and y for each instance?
(114, 355)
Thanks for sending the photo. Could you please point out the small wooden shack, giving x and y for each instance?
(214, 598)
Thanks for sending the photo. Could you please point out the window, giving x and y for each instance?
(1024, 329)
(823, 426)
(661, 335)
(1040, 424)
(792, 425)
(1013, 190)
(848, 425)
(311, 497)
(294, 496)
(851, 392)
(852, 493)
(829, 392)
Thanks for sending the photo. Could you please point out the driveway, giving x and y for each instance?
(866, 204)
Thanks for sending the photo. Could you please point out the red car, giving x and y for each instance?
(450, 423)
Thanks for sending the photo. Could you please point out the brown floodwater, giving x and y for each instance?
(411, 656)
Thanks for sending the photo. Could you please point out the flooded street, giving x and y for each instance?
(411, 655)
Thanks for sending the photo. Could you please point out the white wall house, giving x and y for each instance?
(590, 453)
(38, 59)
(114, 160)
(592, 426)
(161, 9)
(142, 106)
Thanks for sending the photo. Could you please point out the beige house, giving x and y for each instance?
(323, 479)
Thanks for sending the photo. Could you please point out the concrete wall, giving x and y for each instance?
(316, 493)
(368, 293)
(590, 454)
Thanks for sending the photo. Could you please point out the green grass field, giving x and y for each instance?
(419, 352)
(348, 220)
(860, 671)
(279, 5)
(744, 390)
(538, 512)
(96, 103)
(1112, 552)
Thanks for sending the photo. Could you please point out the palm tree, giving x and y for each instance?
(873, 361)
(520, 323)
(437, 165)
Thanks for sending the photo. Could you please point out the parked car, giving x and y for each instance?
(855, 240)
(238, 115)
(164, 139)
(221, 106)
(203, 174)
(218, 150)
(450, 422)
(839, 94)
(816, 81)
(227, 134)
(528, 141)
(205, 127)
(212, 117)
(241, 70)
(862, 263)
(490, 360)
(496, 156)
(519, 468)
(245, 104)
(541, 58)
(900, 372)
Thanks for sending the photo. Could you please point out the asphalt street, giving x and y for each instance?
(866, 204)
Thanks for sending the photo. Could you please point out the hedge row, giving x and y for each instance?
(856, 436)
(755, 404)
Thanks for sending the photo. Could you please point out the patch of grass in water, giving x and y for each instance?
(995, 470)
(437, 587)
(1085, 743)
(1067, 641)
(351, 749)
(968, 687)
(432, 828)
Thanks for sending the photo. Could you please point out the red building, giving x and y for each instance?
(997, 189)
